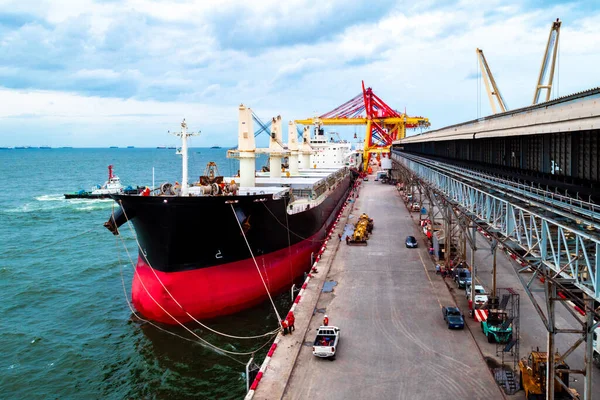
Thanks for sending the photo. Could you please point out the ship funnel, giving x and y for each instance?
(306, 149)
(293, 148)
(246, 148)
(276, 150)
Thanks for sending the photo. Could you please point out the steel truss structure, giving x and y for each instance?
(558, 250)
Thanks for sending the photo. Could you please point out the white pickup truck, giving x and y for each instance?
(326, 342)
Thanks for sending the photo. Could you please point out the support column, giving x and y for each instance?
(550, 366)
(447, 236)
(494, 248)
(473, 267)
(589, 349)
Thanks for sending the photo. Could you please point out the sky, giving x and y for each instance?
(97, 73)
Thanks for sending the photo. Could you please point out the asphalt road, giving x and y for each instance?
(387, 302)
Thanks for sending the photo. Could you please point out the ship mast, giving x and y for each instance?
(184, 134)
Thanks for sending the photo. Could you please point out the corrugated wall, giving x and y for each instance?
(571, 154)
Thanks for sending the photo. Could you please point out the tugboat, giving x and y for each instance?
(111, 186)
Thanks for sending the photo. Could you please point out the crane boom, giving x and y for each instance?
(550, 53)
(489, 80)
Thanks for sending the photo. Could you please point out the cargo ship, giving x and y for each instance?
(205, 248)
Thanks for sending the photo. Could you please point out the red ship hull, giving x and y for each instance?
(219, 290)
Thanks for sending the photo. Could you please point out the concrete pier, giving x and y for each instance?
(387, 301)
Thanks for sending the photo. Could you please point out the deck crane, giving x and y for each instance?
(384, 124)
(490, 84)
(551, 51)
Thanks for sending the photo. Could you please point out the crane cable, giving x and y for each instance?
(255, 263)
(175, 300)
(216, 348)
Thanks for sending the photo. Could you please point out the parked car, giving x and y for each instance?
(326, 342)
(462, 277)
(478, 290)
(453, 317)
(411, 242)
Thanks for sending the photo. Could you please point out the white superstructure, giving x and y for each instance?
(327, 152)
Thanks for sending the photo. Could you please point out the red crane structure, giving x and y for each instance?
(384, 124)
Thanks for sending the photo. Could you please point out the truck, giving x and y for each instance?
(532, 376)
(497, 327)
(326, 342)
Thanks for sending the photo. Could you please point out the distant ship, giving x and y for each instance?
(111, 186)
(22, 147)
(45, 147)
(66, 147)
(131, 147)
(5, 148)
(113, 147)
(161, 147)
(195, 240)
(216, 147)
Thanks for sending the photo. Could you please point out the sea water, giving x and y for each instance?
(66, 329)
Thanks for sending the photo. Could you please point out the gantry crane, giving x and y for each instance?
(490, 84)
(551, 51)
(384, 124)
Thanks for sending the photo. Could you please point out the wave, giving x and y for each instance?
(50, 197)
(50, 202)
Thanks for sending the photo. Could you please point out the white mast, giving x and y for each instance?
(293, 148)
(306, 149)
(246, 148)
(184, 155)
(276, 151)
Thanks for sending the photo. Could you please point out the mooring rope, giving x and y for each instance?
(255, 263)
(216, 348)
(63, 240)
(179, 304)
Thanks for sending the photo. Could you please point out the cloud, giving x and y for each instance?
(131, 58)
(298, 68)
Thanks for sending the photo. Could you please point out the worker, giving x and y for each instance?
(326, 321)
(146, 191)
(284, 325)
(291, 320)
(323, 342)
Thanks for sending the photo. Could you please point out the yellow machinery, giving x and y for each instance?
(533, 376)
(362, 229)
(490, 84)
(546, 77)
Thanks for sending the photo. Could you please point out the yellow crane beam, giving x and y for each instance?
(416, 121)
